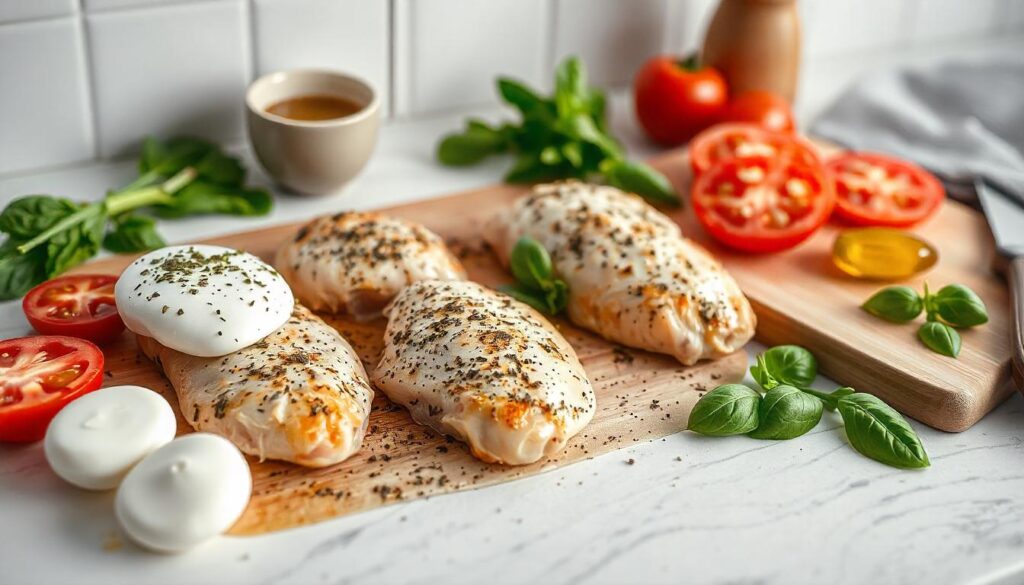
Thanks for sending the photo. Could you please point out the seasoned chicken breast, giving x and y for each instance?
(485, 368)
(633, 278)
(300, 394)
(357, 262)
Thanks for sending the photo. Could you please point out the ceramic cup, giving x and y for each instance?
(312, 157)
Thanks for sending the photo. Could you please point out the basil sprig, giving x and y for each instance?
(47, 235)
(564, 135)
(536, 283)
(788, 410)
(954, 305)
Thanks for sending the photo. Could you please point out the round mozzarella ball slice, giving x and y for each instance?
(95, 440)
(204, 301)
(184, 493)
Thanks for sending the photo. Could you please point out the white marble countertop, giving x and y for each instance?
(735, 510)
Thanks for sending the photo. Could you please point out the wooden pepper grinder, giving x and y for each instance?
(756, 45)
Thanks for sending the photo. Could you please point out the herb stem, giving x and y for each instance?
(826, 398)
(116, 204)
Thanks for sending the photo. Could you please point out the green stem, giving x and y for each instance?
(116, 204)
(142, 181)
(826, 398)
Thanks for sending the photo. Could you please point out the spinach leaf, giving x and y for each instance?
(897, 304)
(133, 233)
(164, 159)
(786, 413)
(879, 432)
(641, 179)
(785, 364)
(730, 409)
(940, 338)
(26, 217)
(959, 306)
(75, 245)
(20, 272)
(201, 197)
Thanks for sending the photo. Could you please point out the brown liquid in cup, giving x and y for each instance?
(314, 107)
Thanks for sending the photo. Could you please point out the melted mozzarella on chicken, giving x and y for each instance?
(357, 262)
(485, 368)
(633, 278)
(300, 394)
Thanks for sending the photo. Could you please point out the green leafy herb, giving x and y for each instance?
(564, 135)
(785, 364)
(786, 413)
(537, 284)
(879, 432)
(958, 306)
(940, 338)
(47, 235)
(898, 304)
(730, 409)
(133, 233)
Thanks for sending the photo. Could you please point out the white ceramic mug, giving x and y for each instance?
(312, 157)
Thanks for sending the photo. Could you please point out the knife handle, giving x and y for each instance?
(1015, 275)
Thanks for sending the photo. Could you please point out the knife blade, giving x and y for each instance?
(1005, 217)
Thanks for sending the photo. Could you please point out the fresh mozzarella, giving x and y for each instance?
(184, 493)
(95, 440)
(205, 301)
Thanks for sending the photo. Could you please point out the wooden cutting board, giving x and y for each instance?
(640, 396)
(799, 296)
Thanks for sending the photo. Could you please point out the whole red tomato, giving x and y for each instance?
(764, 108)
(677, 99)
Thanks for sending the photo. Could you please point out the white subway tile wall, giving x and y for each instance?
(346, 35)
(89, 78)
(45, 116)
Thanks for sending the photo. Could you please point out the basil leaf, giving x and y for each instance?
(897, 304)
(521, 97)
(519, 293)
(837, 395)
(530, 169)
(26, 217)
(786, 413)
(75, 245)
(556, 296)
(133, 233)
(959, 306)
(581, 127)
(730, 409)
(470, 147)
(20, 272)
(641, 179)
(570, 88)
(530, 263)
(940, 338)
(200, 197)
(785, 364)
(877, 431)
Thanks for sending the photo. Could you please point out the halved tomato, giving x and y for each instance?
(874, 189)
(38, 376)
(724, 141)
(78, 305)
(762, 204)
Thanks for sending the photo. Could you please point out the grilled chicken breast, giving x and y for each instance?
(633, 278)
(300, 394)
(485, 368)
(357, 262)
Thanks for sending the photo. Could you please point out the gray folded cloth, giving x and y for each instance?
(960, 120)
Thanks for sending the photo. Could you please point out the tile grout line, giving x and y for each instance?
(392, 51)
(253, 66)
(90, 82)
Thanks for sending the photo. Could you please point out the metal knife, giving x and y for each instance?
(1006, 218)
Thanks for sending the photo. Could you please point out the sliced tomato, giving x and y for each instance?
(38, 376)
(724, 141)
(874, 189)
(79, 305)
(762, 204)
